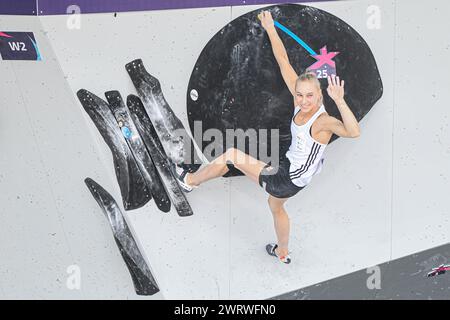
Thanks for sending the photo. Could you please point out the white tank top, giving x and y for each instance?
(305, 153)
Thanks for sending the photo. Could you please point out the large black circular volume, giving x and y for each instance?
(236, 82)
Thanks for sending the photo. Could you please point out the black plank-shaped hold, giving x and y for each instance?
(162, 163)
(143, 280)
(135, 193)
(178, 145)
(140, 153)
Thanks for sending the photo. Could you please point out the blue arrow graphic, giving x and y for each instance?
(294, 36)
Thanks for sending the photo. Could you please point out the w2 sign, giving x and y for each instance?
(18, 46)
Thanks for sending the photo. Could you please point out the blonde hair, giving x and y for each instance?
(311, 76)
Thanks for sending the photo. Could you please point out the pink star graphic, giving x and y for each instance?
(324, 57)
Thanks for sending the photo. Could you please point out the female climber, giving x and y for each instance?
(311, 129)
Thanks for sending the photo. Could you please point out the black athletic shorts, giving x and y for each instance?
(278, 184)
